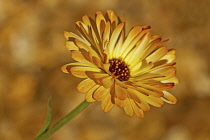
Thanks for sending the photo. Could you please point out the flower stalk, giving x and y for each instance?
(63, 121)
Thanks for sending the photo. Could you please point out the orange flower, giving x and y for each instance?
(131, 71)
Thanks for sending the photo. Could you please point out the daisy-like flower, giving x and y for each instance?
(132, 71)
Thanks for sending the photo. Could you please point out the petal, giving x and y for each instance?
(174, 80)
(106, 104)
(89, 94)
(127, 107)
(66, 68)
(130, 40)
(85, 85)
(120, 92)
(157, 54)
(138, 111)
(71, 46)
(162, 86)
(169, 98)
(139, 49)
(81, 71)
(170, 56)
(107, 82)
(112, 17)
(100, 93)
(106, 35)
(114, 37)
(119, 103)
(77, 56)
(155, 101)
(100, 22)
(97, 77)
(168, 72)
(149, 90)
(139, 98)
(86, 47)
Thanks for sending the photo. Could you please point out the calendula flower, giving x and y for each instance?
(132, 71)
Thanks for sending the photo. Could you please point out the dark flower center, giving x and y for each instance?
(119, 69)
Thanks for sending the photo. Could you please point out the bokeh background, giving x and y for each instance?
(32, 51)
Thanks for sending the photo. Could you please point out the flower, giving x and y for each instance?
(133, 71)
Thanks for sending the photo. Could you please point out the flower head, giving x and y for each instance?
(131, 71)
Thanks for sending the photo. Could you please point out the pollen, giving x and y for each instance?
(119, 69)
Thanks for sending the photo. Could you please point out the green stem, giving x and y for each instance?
(63, 121)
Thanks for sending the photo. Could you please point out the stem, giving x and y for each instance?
(63, 121)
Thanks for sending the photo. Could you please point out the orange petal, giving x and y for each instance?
(89, 94)
(169, 98)
(100, 93)
(85, 85)
(106, 104)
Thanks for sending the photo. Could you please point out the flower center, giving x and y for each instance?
(119, 69)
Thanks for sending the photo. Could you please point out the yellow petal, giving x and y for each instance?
(163, 86)
(81, 71)
(107, 81)
(85, 85)
(130, 40)
(128, 108)
(112, 16)
(89, 94)
(139, 49)
(155, 101)
(99, 76)
(138, 111)
(174, 80)
(119, 103)
(169, 98)
(97, 61)
(121, 93)
(139, 98)
(106, 104)
(86, 47)
(157, 54)
(106, 35)
(168, 72)
(71, 46)
(100, 93)
(66, 68)
(114, 37)
(100, 22)
(170, 56)
(77, 56)
(149, 90)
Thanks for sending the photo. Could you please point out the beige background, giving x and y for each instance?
(32, 51)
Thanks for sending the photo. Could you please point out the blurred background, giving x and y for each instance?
(32, 51)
